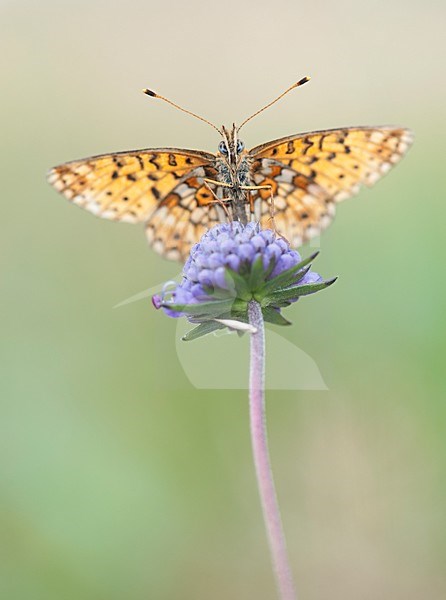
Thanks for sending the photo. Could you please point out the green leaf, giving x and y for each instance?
(239, 306)
(218, 293)
(293, 278)
(233, 279)
(257, 275)
(288, 276)
(296, 291)
(280, 303)
(271, 315)
(202, 329)
(203, 308)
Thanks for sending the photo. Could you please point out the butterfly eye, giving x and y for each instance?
(222, 148)
(240, 146)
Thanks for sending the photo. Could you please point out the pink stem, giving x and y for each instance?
(271, 513)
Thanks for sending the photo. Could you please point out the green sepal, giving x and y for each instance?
(236, 316)
(218, 293)
(215, 308)
(287, 277)
(257, 275)
(201, 330)
(239, 307)
(273, 316)
(234, 280)
(238, 310)
(270, 268)
(295, 292)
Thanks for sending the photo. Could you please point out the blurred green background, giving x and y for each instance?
(120, 479)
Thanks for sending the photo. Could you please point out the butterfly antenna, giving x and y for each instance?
(155, 95)
(295, 85)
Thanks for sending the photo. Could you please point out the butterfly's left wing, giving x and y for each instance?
(185, 214)
(163, 187)
(126, 186)
(309, 173)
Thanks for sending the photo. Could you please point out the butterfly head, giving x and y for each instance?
(231, 147)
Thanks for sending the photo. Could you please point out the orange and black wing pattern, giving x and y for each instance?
(309, 173)
(162, 187)
(185, 214)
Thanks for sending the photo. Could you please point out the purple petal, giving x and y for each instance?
(268, 235)
(310, 277)
(284, 263)
(258, 242)
(233, 262)
(220, 279)
(201, 261)
(282, 244)
(227, 246)
(215, 260)
(246, 251)
(273, 251)
(205, 277)
(198, 293)
(156, 301)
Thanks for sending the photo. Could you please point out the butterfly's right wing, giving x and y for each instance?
(163, 187)
(309, 173)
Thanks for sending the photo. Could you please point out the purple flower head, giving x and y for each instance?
(233, 264)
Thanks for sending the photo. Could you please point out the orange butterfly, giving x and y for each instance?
(293, 182)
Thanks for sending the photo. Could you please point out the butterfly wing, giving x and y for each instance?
(162, 186)
(310, 172)
(185, 214)
(126, 186)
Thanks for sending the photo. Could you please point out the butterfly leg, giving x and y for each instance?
(220, 183)
(217, 200)
(272, 211)
(271, 206)
(221, 202)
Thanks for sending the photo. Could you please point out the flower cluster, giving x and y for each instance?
(232, 265)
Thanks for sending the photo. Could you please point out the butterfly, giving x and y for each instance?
(292, 183)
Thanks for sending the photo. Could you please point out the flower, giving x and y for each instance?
(231, 265)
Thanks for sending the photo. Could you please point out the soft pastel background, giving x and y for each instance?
(119, 479)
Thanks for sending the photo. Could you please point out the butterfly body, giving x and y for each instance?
(179, 193)
(234, 167)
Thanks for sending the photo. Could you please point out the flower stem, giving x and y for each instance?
(270, 507)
